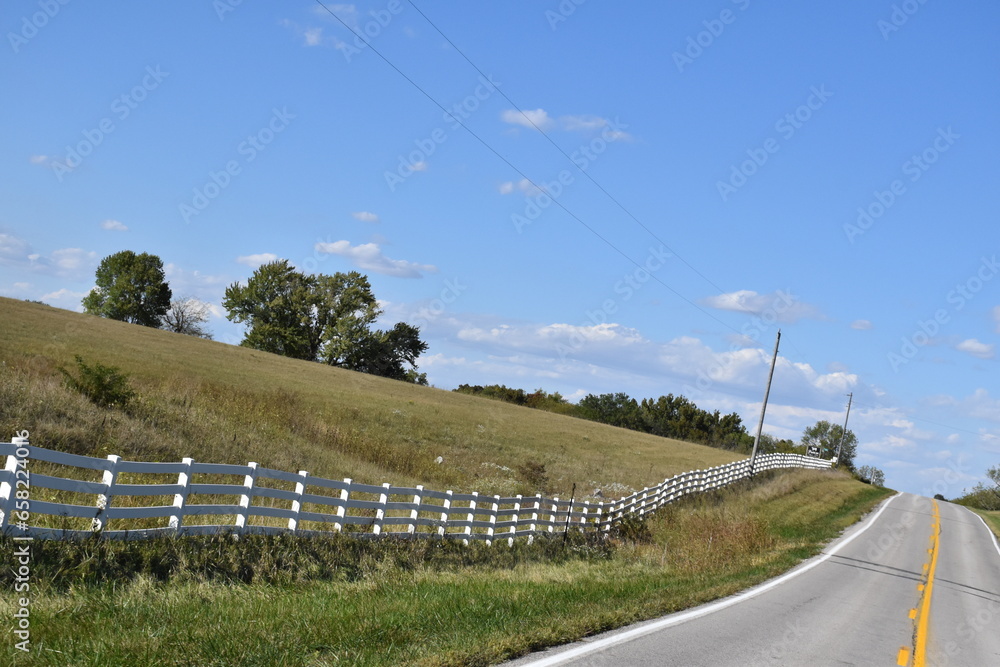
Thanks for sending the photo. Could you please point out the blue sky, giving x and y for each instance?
(664, 186)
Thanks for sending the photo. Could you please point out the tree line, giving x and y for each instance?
(679, 418)
(315, 317)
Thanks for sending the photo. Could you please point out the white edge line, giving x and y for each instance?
(704, 610)
(989, 531)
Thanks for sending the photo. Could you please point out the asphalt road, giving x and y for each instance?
(917, 583)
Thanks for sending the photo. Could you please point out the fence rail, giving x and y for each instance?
(275, 501)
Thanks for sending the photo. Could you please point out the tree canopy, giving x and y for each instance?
(130, 288)
(827, 437)
(322, 318)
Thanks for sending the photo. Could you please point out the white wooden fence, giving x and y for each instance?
(273, 501)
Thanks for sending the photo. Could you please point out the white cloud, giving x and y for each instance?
(976, 348)
(584, 123)
(254, 261)
(533, 119)
(113, 225)
(71, 260)
(313, 36)
(781, 305)
(41, 160)
(65, 262)
(861, 325)
(348, 13)
(368, 256)
(524, 186)
(996, 317)
(539, 119)
(419, 166)
(13, 248)
(365, 216)
(65, 296)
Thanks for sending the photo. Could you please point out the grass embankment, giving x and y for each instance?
(992, 519)
(325, 602)
(225, 404)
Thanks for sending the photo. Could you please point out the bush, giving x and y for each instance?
(106, 386)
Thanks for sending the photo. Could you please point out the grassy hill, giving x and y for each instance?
(225, 404)
(319, 601)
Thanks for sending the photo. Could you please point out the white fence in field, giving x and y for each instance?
(300, 503)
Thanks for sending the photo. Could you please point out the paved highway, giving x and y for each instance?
(917, 583)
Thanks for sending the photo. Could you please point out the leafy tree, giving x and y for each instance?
(187, 316)
(322, 318)
(614, 409)
(872, 475)
(385, 353)
(130, 288)
(827, 437)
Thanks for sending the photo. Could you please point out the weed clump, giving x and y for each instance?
(105, 386)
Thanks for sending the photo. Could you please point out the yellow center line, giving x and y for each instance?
(920, 637)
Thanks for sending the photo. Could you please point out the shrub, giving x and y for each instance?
(106, 386)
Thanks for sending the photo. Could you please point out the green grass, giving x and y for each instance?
(992, 519)
(407, 606)
(291, 601)
(225, 404)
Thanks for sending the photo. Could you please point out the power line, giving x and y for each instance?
(598, 185)
(521, 173)
(928, 421)
(581, 170)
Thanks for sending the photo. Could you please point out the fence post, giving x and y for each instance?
(380, 512)
(552, 515)
(8, 490)
(445, 513)
(300, 489)
(180, 499)
(471, 516)
(494, 508)
(246, 500)
(418, 497)
(516, 518)
(533, 527)
(586, 512)
(345, 494)
(109, 479)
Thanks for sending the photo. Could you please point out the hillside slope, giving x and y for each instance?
(226, 404)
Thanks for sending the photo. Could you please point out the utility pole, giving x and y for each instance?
(843, 434)
(763, 407)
